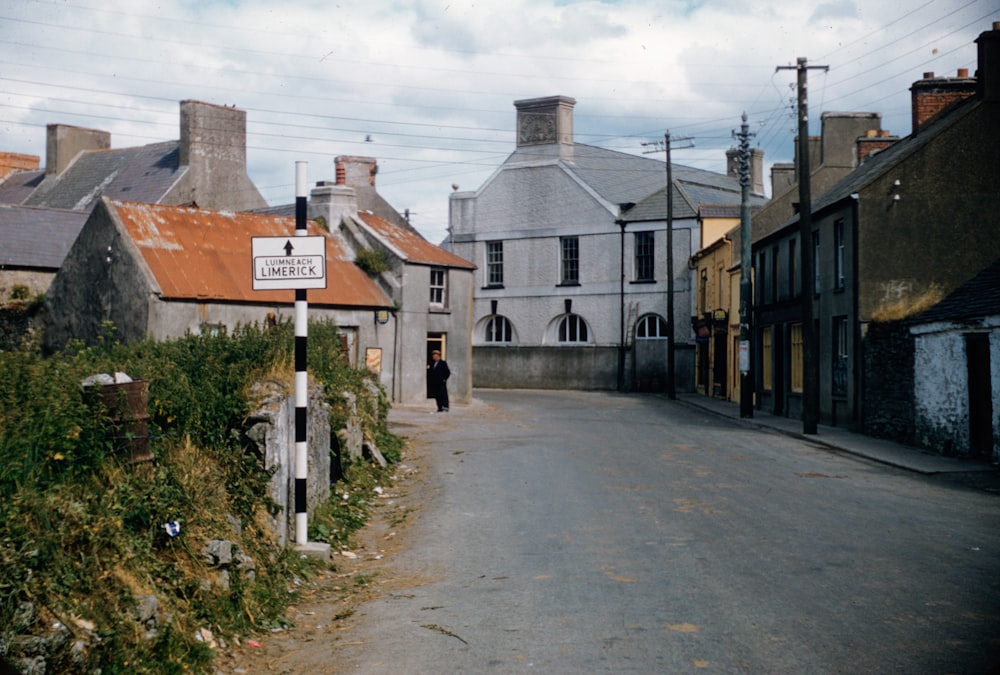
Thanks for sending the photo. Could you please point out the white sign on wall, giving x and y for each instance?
(281, 263)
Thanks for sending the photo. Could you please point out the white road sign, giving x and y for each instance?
(288, 263)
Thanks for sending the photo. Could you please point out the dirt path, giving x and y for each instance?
(323, 619)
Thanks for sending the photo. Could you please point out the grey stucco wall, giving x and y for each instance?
(546, 367)
(100, 281)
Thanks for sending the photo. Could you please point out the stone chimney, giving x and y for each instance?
(332, 201)
(839, 136)
(64, 142)
(356, 172)
(756, 168)
(213, 146)
(874, 141)
(988, 75)
(213, 135)
(930, 95)
(13, 161)
(782, 177)
(546, 121)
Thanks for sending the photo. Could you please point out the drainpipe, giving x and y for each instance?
(621, 308)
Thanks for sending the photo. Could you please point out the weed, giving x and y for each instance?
(82, 538)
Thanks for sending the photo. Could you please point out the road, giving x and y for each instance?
(576, 532)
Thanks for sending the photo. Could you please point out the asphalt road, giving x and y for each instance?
(572, 532)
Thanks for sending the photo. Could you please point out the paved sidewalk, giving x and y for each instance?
(879, 450)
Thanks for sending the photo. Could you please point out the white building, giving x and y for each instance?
(569, 241)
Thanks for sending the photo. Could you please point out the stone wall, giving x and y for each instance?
(271, 429)
(888, 403)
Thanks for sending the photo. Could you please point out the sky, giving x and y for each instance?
(427, 87)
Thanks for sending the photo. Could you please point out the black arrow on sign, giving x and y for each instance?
(288, 247)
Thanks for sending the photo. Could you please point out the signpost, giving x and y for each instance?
(296, 263)
(286, 263)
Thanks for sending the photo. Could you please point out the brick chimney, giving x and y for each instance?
(930, 95)
(988, 75)
(355, 171)
(64, 142)
(13, 161)
(875, 140)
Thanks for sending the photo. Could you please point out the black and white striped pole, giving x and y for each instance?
(301, 374)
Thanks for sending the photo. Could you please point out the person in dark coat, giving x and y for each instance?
(437, 374)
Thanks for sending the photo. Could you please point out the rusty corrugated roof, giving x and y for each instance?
(198, 254)
(409, 245)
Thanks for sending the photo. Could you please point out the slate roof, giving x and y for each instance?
(689, 196)
(143, 174)
(409, 245)
(621, 178)
(19, 185)
(35, 238)
(876, 165)
(203, 255)
(976, 298)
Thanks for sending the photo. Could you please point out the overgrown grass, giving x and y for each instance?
(82, 539)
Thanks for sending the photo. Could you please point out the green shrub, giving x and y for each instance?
(83, 534)
(372, 260)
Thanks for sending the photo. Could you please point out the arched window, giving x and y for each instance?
(572, 328)
(498, 329)
(651, 327)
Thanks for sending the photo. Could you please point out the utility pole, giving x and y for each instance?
(810, 350)
(746, 287)
(671, 368)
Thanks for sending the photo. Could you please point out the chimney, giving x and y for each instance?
(839, 136)
(756, 168)
(988, 75)
(212, 134)
(332, 201)
(213, 146)
(782, 177)
(874, 141)
(11, 162)
(356, 172)
(930, 95)
(546, 121)
(64, 142)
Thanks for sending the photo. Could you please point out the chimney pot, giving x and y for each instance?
(929, 75)
(963, 72)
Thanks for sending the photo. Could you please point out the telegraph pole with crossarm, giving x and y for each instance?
(810, 347)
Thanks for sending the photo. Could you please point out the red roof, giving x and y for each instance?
(409, 245)
(198, 254)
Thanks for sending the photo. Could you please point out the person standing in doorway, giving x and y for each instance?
(438, 372)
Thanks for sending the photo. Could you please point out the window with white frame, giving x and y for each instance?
(494, 263)
(573, 329)
(644, 257)
(439, 286)
(499, 329)
(651, 327)
(570, 260)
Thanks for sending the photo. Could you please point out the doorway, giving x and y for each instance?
(439, 342)
(977, 359)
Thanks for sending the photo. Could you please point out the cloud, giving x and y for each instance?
(434, 83)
